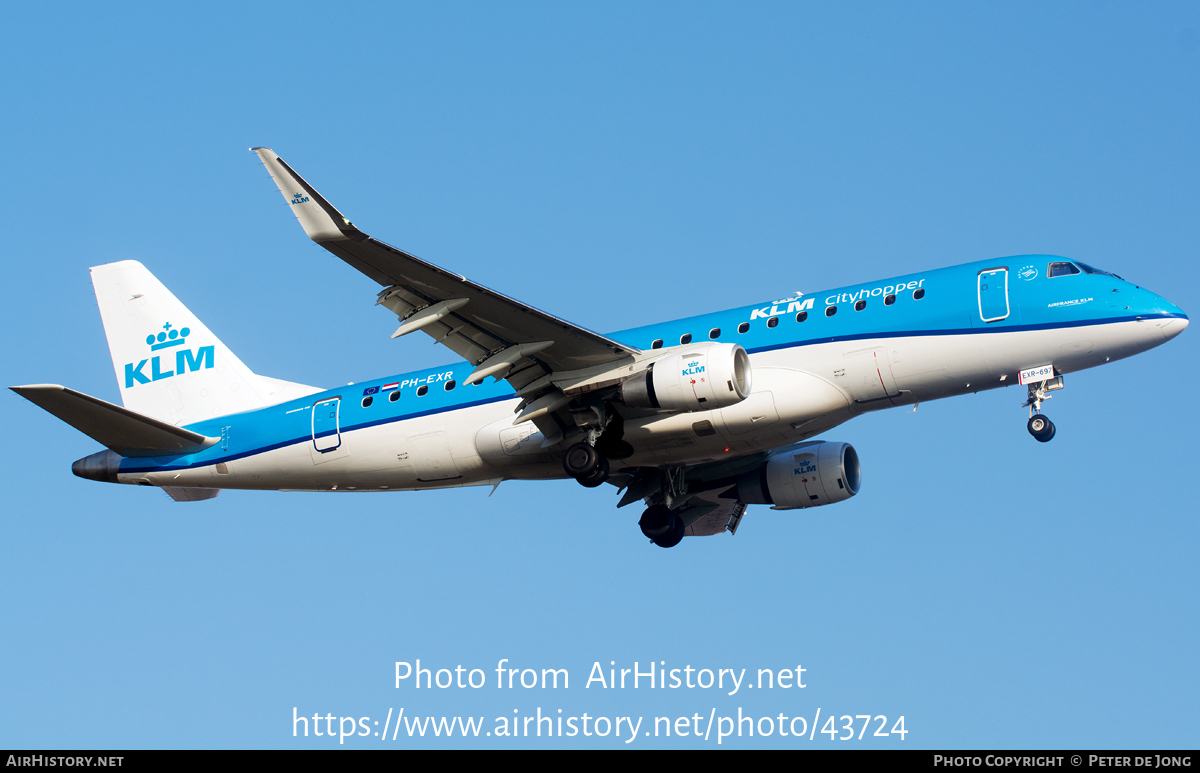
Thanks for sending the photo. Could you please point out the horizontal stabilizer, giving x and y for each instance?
(124, 431)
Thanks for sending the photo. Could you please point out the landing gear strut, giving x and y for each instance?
(662, 526)
(586, 465)
(1039, 426)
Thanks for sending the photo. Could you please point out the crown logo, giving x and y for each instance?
(167, 338)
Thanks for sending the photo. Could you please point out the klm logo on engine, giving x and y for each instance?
(299, 198)
(805, 468)
(185, 359)
(693, 368)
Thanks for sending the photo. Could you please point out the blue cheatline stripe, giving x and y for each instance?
(308, 438)
(961, 331)
(774, 347)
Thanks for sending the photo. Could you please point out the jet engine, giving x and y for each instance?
(808, 475)
(701, 378)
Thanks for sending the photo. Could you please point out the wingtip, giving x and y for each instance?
(35, 387)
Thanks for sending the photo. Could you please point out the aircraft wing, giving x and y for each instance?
(504, 337)
(710, 514)
(711, 505)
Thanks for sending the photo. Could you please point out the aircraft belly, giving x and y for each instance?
(427, 452)
(516, 450)
(932, 367)
(797, 398)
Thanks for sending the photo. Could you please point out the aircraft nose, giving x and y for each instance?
(1169, 318)
(1173, 327)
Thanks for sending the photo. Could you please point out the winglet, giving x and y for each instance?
(320, 220)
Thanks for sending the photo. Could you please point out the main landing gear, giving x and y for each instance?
(587, 461)
(1039, 426)
(662, 526)
(586, 465)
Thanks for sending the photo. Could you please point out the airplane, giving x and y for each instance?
(698, 417)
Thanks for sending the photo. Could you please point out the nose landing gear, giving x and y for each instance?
(1039, 426)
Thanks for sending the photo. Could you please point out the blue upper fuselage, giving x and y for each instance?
(1040, 292)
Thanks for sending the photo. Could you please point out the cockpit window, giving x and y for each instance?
(1061, 268)
(1092, 270)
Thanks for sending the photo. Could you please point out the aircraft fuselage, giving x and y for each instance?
(818, 360)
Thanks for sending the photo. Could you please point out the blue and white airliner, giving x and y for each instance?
(697, 417)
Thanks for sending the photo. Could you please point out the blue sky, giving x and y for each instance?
(617, 165)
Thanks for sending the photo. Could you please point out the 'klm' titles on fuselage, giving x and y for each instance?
(185, 360)
(794, 305)
(774, 311)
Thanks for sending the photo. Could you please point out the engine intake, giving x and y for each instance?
(809, 475)
(701, 378)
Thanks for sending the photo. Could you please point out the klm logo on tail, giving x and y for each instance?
(185, 359)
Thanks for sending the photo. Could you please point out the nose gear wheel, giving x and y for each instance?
(1041, 428)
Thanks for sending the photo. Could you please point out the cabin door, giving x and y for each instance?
(326, 429)
(993, 294)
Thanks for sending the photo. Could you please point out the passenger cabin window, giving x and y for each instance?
(686, 338)
(367, 401)
(394, 396)
(889, 299)
(830, 311)
(715, 333)
(802, 316)
(742, 328)
(1061, 268)
(773, 321)
(860, 305)
(422, 390)
(451, 384)
(918, 294)
(657, 344)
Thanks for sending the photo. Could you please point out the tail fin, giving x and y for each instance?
(169, 365)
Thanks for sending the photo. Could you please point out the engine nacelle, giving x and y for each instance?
(809, 475)
(702, 377)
